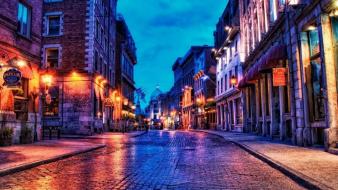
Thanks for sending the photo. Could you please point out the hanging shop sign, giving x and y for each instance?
(12, 78)
(279, 76)
(108, 102)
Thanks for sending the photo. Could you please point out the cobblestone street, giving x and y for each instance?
(157, 160)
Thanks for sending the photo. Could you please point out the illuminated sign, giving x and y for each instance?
(108, 102)
(12, 78)
(279, 76)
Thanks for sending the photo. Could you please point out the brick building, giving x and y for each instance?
(20, 45)
(78, 53)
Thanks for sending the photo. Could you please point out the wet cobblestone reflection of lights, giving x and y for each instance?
(157, 160)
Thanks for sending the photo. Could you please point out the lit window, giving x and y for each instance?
(24, 20)
(52, 57)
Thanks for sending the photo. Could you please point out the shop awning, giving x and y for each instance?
(272, 58)
(253, 73)
(242, 83)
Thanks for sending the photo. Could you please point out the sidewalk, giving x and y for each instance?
(20, 157)
(313, 166)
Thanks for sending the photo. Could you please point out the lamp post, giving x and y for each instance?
(47, 80)
(35, 94)
(233, 80)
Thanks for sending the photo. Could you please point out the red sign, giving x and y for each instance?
(108, 102)
(279, 76)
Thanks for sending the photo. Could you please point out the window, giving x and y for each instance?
(51, 102)
(230, 76)
(225, 83)
(53, 27)
(317, 83)
(96, 61)
(102, 36)
(334, 21)
(21, 101)
(236, 46)
(52, 57)
(24, 20)
(221, 85)
(273, 10)
(97, 30)
(101, 65)
(239, 111)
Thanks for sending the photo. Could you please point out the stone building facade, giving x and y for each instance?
(20, 46)
(125, 61)
(176, 93)
(290, 66)
(204, 90)
(182, 106)
(78, 53)
(229, 69)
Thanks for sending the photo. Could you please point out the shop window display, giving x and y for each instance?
(51, 102)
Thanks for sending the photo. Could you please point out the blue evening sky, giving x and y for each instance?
(164, 30)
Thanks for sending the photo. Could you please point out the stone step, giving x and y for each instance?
(333, 151)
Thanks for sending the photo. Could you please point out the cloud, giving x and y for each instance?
(164, 30)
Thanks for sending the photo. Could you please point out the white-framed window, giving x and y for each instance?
(52, 56)
(24, 20)
(53, 23)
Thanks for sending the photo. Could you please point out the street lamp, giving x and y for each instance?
(47, 79)
(125, 102)
(35, 94)
(233, 80)
(118, 98)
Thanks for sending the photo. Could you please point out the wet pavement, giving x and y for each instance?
(157, 160)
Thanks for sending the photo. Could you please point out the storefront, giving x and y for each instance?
(318, 31)
(267, 94)
(19, 100)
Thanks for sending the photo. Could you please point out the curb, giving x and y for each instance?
(299, 178)
(91, 137)
(47, 161)
(144, 132)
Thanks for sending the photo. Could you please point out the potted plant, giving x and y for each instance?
(6, 134)
(26, 135)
